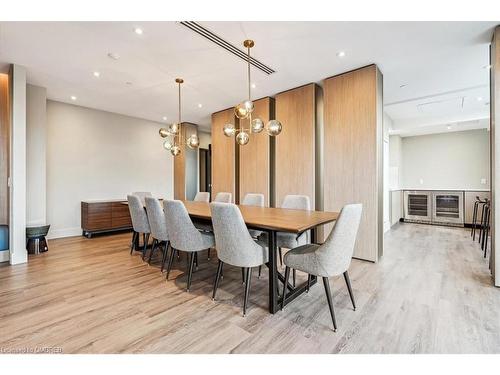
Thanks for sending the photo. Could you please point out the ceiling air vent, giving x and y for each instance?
(226, 45)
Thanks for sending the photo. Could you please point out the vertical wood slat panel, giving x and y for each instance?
(4, 148)
(180, 161)
(295, 146)
(223, 155)
(353, 152)
(254, 157)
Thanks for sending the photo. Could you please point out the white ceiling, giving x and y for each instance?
(437, 61)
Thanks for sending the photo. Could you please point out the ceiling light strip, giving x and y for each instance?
(226, 45)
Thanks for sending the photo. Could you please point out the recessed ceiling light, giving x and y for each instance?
(164, 118)
(479, 98)
(253, 85)
(138, 30)
(403, 85)
(73, 97)
(113, 55)
(97, 74)
(340, 54)
(200, 105)
(448, 127)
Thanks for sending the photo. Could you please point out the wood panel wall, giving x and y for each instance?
(494, 149)
(180, 161)
(223, 155)
(353, 131)
(295, 146)
(254, 157)
(4, 147)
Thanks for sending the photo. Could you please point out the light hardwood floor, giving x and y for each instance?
(431, 293)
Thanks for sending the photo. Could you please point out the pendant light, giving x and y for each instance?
(244, 111)
(174, 134)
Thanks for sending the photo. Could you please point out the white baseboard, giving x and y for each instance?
(65, 232)
(4, 256)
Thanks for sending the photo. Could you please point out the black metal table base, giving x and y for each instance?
(274, 297)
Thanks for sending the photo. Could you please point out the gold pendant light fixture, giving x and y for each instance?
(174, 134)
(244, 111)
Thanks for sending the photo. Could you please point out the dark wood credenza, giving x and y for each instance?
(101, 216)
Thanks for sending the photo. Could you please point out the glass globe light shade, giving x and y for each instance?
(248, 104)
(242, 138)
(193, 141)
(167, 145)
(175, 150)
(229, 130)
(174, 128)
(257, 125)
(164, 133)
(274, 127)
(240, 111)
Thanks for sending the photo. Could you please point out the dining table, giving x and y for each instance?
(273, 220)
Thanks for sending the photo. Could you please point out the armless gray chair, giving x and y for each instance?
(202, 196)
(142, 195)
(254, 199)
(158, 225)
(291, 240)
(223, 197)
(140, 222)
(183, 235)
(330, 259)
(234, 244)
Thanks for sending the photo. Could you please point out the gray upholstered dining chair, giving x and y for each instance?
(291, 240)
(234, 244)
(140, 222)
(142, 195)
(253, 199)
(158, 225)
(330, 259)
(183, 235)
(202, 196)
(223, 197)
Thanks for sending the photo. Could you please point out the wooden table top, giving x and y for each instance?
(280, 219)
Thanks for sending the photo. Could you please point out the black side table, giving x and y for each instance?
(36, 242)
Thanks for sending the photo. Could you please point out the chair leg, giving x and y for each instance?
(260, 271)
(164, 258)
(247, 289)
(287, 275)
(146, 240)
(217, 278)
(348, 283)
(293, 277)
(308, 283)
(196, 261)
(330, 303)
(208, 254)
(153, 248)
(243, 275)
(170, 261)
(190, 274)
(281, 255)
(134, 239)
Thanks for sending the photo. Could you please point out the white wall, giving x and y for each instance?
(94, 154)
(36, 141)
(205, 139)
(455, 160)
(395, 161)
